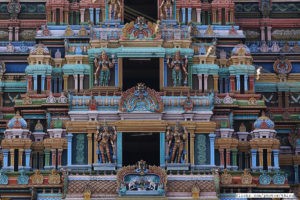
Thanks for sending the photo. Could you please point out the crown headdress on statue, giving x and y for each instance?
(140, 86)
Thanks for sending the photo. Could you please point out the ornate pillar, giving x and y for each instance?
(234, 157)
(238, 83)
(95, 150)
(90, 148)
(97, 15)
(214, 16)
(81, 76)
(296, 172)
(66, 13)
(192, 147)
(189, 15)
(219, 16)
(216, 78)
(27, 158)
(177, 14)
(226, 84)
(269, 34)
(48, 83)
(5, 158)
(10, 33)
(261, 157)
(262, 33)
(91, 15)
(276, 159)
(20, 161)
(47, 157)
(43, 82)
(269, 156)
(251, 83)
(119, 149)
(17, 33)
(66, 82)
(60, 87)
(231, 15)
(82, 15)
(162, 159)
(183, 15)
(228, 160)
(12, 157)
(53, 156)
(29, 83)
(53, 15)
(35, 82)
(200, 82)
(212, 137)
(253, 158)
(61, 15)
(76, 82)
(232, 84)
(221, 157)
(198, 11)
(246, 82)
(69, 138)
(226, 16)
(205, 82)
(77, 17)
(48, 15)
(54, 85)
(59, 157)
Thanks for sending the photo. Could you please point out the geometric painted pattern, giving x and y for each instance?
(186, 186)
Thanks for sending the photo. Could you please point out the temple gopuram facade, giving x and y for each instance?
(152, 99)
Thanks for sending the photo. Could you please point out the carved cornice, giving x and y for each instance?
(265, 143)
(16, 143)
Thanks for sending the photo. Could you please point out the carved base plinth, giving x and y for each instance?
(169, 21)
(104, 166)
(203, 167)
(80, 167)
(112, 21)
(105, 89)
(178, 166)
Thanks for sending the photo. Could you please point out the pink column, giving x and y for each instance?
(269, 28)
(17, 33)
(262, 33)
(200, 82)
(10, 34)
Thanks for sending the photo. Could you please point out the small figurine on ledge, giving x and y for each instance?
(177, 64)
(103, 65)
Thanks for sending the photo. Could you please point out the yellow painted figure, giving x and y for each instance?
(106, 140)
(114, 9)
(176, 139)
(166, 9)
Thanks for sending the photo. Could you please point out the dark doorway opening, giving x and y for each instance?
(135, 8)
(136, 70)
(141, 146)
(265, 159)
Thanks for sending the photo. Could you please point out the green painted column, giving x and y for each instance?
(200, 149)
(47, 157)
(71, 17)
(234, 157)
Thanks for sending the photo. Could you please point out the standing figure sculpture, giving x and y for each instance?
(176, 138)
(102, 65)
(106, 138)
(166, 9)
(114, 9)
(177, 65)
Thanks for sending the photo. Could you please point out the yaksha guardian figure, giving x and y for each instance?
(176, 138)
(166, 9)
(114, 9)
(178, 65)
(106, 138)
(103, 65)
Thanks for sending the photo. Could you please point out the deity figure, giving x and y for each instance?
(166, 9)
(102, 65)
(114, 9)
(275, 47)
(106, 138)
(10, 48)
(264, 47)
(176, 138)
(177, 64)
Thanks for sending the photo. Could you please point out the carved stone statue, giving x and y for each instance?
(166, 9)
(176, 138)
(178, 65)
(114, 9)
(106, 138)
(102, 65)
